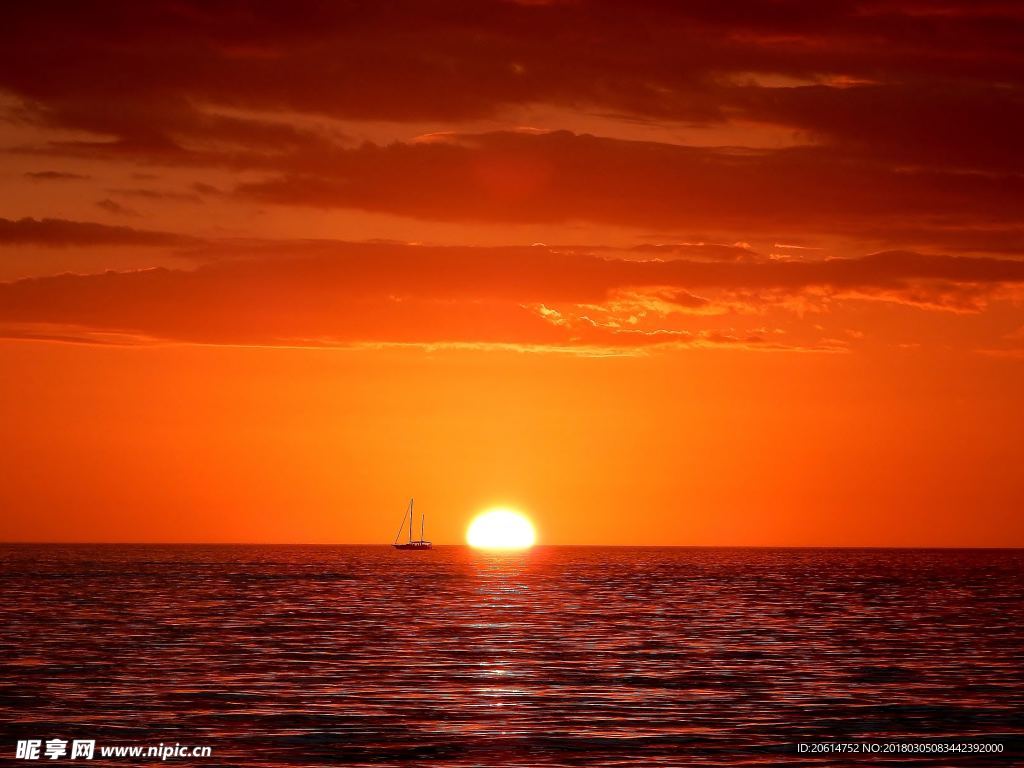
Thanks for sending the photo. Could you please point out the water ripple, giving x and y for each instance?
(559, 656)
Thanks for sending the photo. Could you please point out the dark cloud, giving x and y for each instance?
(55, 176)
(956, 124)
(561, 176)
(61, 232)
(938, 84)
(157, 194)
(906, 115)
(116, 208)
(203, 188)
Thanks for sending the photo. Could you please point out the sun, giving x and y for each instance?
(501, 528)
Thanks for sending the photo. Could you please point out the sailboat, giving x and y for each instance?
(410, 544)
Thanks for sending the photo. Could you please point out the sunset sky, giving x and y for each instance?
(652, 272)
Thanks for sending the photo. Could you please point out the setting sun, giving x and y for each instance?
(501, 529)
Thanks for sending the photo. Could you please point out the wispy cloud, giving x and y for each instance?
(360, 293)
(61, 232)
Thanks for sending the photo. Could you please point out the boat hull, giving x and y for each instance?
(414, 545)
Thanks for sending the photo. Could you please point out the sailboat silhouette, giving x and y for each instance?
(410, 544)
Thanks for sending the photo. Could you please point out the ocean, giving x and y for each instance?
(575, 656)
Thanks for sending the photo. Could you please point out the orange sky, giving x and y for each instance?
(687, 274)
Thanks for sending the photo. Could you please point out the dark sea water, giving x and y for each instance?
(559, 656)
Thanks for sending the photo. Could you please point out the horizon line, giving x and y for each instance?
(535, 546)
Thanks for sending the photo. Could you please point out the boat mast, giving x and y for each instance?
(422, 517)
(410, 521)
(401, 527)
